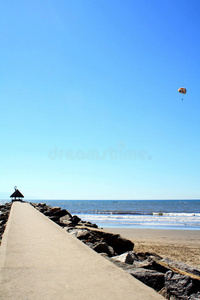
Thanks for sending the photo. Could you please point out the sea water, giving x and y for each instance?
(155, 214)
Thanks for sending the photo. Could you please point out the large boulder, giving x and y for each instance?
(65, 220)
(86, 235)
(118, 243)
(75, 219)
(182, 266)
(127, 257)
(151, 278)
(152, 264)
(179, 285)
(61, 213)
(102, 247)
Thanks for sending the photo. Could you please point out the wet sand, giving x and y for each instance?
(178, 245)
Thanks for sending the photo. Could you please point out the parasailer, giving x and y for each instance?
(182, 91)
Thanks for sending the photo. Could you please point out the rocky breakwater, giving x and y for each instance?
(4, 214)
(173, 280)
(88, 233)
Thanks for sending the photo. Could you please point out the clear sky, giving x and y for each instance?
(89, 97)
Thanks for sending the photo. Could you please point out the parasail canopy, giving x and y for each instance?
(182, 90)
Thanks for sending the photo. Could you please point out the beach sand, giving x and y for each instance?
(178, 245)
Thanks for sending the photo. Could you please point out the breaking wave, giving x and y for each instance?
(164, 221)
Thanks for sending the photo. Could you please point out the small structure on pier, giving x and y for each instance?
(17, 195)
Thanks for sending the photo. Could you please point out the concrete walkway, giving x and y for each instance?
(40, 261)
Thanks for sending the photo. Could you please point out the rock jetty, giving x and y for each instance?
(4, 214)
(173, 280)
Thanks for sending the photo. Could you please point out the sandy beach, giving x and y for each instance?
(178, 245)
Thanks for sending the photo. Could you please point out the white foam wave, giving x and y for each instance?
(166, 220)
(177, 214)
(182, 214)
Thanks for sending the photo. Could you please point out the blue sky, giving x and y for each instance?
(90, 107)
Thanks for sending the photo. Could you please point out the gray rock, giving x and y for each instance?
(75, 220)
(118, 243)
(102, 247)
(62, 212)
(182, 266)
(65, 220)
(127, 257)
(152, 264)
(4, 215)
(178, 285)
(79, 233)
(151, 278)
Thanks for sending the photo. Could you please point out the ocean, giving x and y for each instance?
(155, 214)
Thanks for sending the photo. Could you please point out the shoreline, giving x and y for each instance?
(148, 227)
(178, 245)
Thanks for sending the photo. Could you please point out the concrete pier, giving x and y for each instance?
(40, 261)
